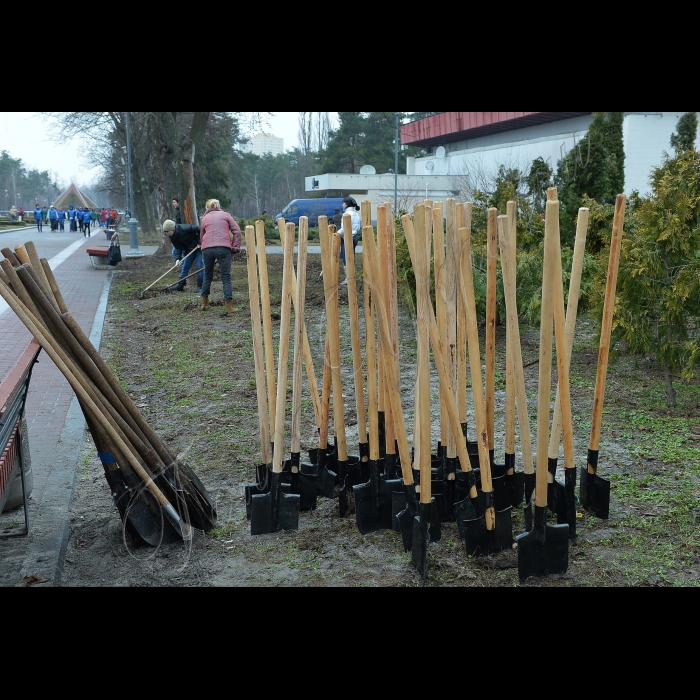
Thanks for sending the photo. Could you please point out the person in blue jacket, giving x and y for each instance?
(53, 218)
(86, 222)
(72, 214)
(61, 219)
(39, 216)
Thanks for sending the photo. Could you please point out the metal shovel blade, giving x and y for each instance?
(514, 481)
(406, 516)
(307, 485)
(568, 496)
(367, 502)
(595, 494)
(288, 514)
(426, 527)
(545, 549)
(465, 510)
(274, 510)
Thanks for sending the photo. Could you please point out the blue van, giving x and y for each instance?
(313, 208)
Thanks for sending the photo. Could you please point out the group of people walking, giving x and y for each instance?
(80, 218)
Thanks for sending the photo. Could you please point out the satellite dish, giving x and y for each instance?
(429, 165)
(368, 170)
(440, 152)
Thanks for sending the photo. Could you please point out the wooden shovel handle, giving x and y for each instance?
(324, 237)
(606, 326)
(551, 234)
(299, 333)
(285, 322)
(506, 234)
(306, 346)
(563, 359)
(422, 273)
(53, 284)
(258, 355)
(451, 253)
(440, 294)
(370, 343)
(490, 349)
(267, 322)
(512, 213)
(355, 335)
(39, 269)
(386, 346)
(332, 313)
(571, 312)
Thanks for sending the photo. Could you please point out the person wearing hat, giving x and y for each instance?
(351, 207)
(61, 219)
(53, 218)
(184, 239)
(72, 217)
(221, 237)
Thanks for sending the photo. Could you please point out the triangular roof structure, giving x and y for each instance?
(75, 197)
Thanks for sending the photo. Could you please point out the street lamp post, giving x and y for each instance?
(134, 251)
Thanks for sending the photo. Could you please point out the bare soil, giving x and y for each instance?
(192, 375)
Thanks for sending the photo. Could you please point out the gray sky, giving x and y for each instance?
(25, 135)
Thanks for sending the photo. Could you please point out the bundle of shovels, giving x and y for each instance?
(415, 491)
(159, 497)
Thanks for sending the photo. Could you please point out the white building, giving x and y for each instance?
(260, 144)
(477, 143)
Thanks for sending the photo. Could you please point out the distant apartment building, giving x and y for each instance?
(260, 144)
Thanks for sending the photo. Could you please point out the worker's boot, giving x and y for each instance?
(180, 286)
(230, 308)
(205, 303)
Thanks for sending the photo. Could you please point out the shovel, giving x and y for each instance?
(545, 549)
(595, 491)
(506, 234)
(333, 335)
(258, 356)
(406, 515)
(326, 478)
(373, 499)
(277, 510)
(304, 477)
(389, 349)
(498, 471)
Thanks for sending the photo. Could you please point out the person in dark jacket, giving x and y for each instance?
(61, 219)
(184, 239)
(53, 218)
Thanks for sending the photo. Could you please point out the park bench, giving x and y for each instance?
(13, 395)
(98, 256)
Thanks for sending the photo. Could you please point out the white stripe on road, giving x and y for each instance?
(53, 264)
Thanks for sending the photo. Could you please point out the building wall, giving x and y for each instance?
(646, 135)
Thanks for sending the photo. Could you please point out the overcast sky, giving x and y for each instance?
(25, 135)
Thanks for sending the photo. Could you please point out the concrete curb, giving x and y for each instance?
(46, 550)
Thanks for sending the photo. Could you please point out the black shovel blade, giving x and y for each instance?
(595, 494)
(570, 500)
(307, 485)
(261, 516)
(405, 517)
(398, 504)
(544, 550)
(388, 489)
(288, 514)
(476, 537)
(558, 505)
(466, 510)
(367, 503)
(515, 481)
(501, 537)
(421, 536)
(325, 483)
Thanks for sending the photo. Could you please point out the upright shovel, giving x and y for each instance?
(277, 510)
(506, 234)
(545, 549)
(595, 491)
(262, 470)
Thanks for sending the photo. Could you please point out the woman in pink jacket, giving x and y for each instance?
(221, 237)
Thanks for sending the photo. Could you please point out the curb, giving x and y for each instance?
(46, 549)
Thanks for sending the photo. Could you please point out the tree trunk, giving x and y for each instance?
(670, 391)
(189, 144)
